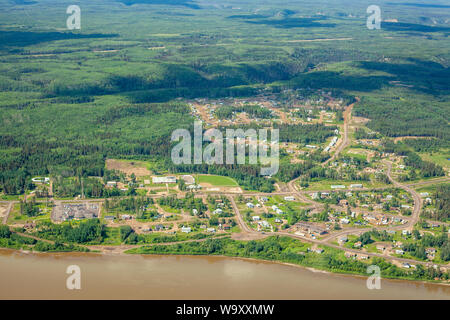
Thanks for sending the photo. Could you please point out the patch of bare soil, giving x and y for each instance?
(210, 187)
(360, 120)
(248, 236)
(128, 167)
(409, 137)
(3, 210)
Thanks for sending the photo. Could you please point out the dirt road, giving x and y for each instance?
(345, 140)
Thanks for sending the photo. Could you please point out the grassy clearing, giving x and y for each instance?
(431, 188)
(441, 158)
(217, 181)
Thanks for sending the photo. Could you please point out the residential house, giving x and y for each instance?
(186, 229)
(164, 180)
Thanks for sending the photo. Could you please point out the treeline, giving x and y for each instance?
(120, 112)
(12, 240)
(177, 80)
(314, 133)
(290, 171)
(253, 111)
(248, 176)
(427, 169)
(132, 204)
(307, 59)
(418, 248)
(129, 236)
(441, 200)
(427, 145)
(39, 157)
(89, 231)
(29, 208)
(80, 155)
(374, 235)
(408, 117)
(329, 173)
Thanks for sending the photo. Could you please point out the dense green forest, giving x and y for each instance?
(441, 200)
(71, 99)
(253, 111)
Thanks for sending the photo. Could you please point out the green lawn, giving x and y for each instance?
(440, 158)
(16, 217)
(218, 181)
(430, 188)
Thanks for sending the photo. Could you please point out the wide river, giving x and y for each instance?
(43, 276)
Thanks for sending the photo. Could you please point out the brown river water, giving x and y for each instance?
(43, 276)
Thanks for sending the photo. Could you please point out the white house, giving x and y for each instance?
(186, 229)
(164, 180)
(265, 224)
(111, 184)
(41, 180)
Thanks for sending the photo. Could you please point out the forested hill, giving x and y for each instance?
(71, 99)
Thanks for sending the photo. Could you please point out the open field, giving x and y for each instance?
(441, 158)
(216, 181)
(139, 168)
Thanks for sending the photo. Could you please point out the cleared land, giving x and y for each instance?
(139, 168)
(217, 181)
